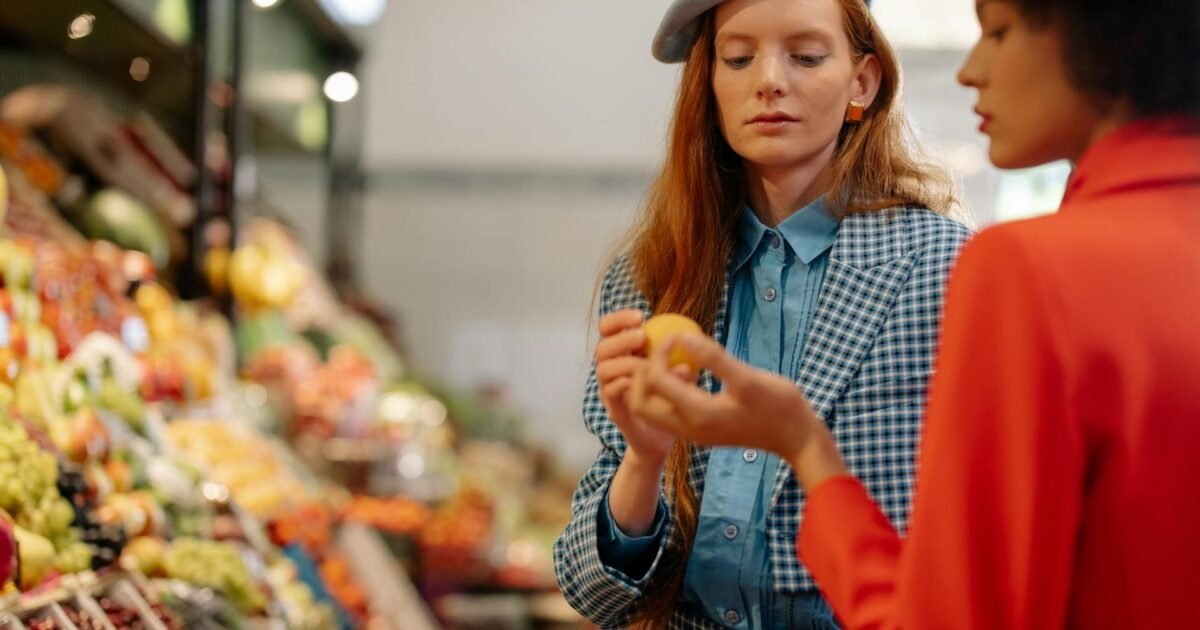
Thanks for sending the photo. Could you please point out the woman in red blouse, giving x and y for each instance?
(1058, 483)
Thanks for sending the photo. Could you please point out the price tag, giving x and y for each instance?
(5, 338)
(135, 334)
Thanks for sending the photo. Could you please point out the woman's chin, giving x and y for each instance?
(1014, 155)
(775, 157)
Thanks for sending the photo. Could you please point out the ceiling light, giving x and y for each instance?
(355, 12)
(81, 26)
(139, 68)
(341, 86)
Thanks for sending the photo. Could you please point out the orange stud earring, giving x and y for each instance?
(854, 113)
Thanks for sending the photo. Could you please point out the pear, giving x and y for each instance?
(36, 556)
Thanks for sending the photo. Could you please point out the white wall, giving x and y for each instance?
(297, 189)
(503, 82)
(493, 276)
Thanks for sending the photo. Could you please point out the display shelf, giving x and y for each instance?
(390, 591)
(272, 138)
(108, 44)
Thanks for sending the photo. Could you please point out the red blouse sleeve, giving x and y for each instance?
(1000, 472)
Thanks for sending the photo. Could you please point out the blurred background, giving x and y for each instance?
(510, 143)
(366, 234)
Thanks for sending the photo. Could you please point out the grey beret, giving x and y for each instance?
(679, 28)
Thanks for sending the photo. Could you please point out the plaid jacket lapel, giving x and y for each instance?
(867, 270)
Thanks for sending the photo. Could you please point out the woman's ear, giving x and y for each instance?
(867, 77)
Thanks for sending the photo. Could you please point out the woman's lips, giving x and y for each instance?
(771, 122)
(985, 121)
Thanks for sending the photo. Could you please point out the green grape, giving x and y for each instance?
(25, 449)
(61, 515)
(14, 490)
(63, 540)
(74, 558)
(28, 477)
(48, 467)
(36, 521)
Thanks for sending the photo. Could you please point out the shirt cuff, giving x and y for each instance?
(630, 555)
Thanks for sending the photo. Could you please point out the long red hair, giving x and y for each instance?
(681, 246)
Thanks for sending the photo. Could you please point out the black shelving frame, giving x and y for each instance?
(179, 92)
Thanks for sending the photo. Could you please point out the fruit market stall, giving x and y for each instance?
(257, 455)
(158, 458)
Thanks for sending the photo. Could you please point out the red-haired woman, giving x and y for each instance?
(1058, 484)
(793, 221)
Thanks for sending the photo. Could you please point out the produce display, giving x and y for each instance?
(97, 479)
(247, 464)
(162, 467)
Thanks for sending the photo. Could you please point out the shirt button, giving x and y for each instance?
(774, 240)
(770, 294)
(732, 616)
(731, 531)
(750, 455)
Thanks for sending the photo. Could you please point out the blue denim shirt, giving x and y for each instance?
(777, 279)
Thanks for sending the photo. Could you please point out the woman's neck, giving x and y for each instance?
(1115, 116)
(776, 193)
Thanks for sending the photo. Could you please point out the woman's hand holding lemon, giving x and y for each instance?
(755, 408)
(618, 355)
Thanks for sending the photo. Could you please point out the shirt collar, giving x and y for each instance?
(1147, 152)
(808, 232)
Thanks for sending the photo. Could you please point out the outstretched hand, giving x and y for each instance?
(755, 408)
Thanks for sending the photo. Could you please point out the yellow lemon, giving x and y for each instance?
(661, 327)
(152, 298)
(163, 325)
(245, 265)
(216, 269)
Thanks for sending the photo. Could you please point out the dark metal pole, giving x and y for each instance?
(191, 281)
(236, 130)
(343, 216)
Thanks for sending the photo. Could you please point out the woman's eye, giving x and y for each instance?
(997, 33)
(809, 61)
(738, 62)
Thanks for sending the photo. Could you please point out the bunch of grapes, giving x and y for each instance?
(106, 542)
(102, 542)
(215, 565)
(73, 555)
(28, 484)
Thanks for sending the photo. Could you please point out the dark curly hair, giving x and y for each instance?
(1146, 52)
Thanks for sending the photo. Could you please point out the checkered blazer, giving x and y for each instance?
(865, 367)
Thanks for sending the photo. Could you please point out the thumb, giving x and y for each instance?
(707, 353)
